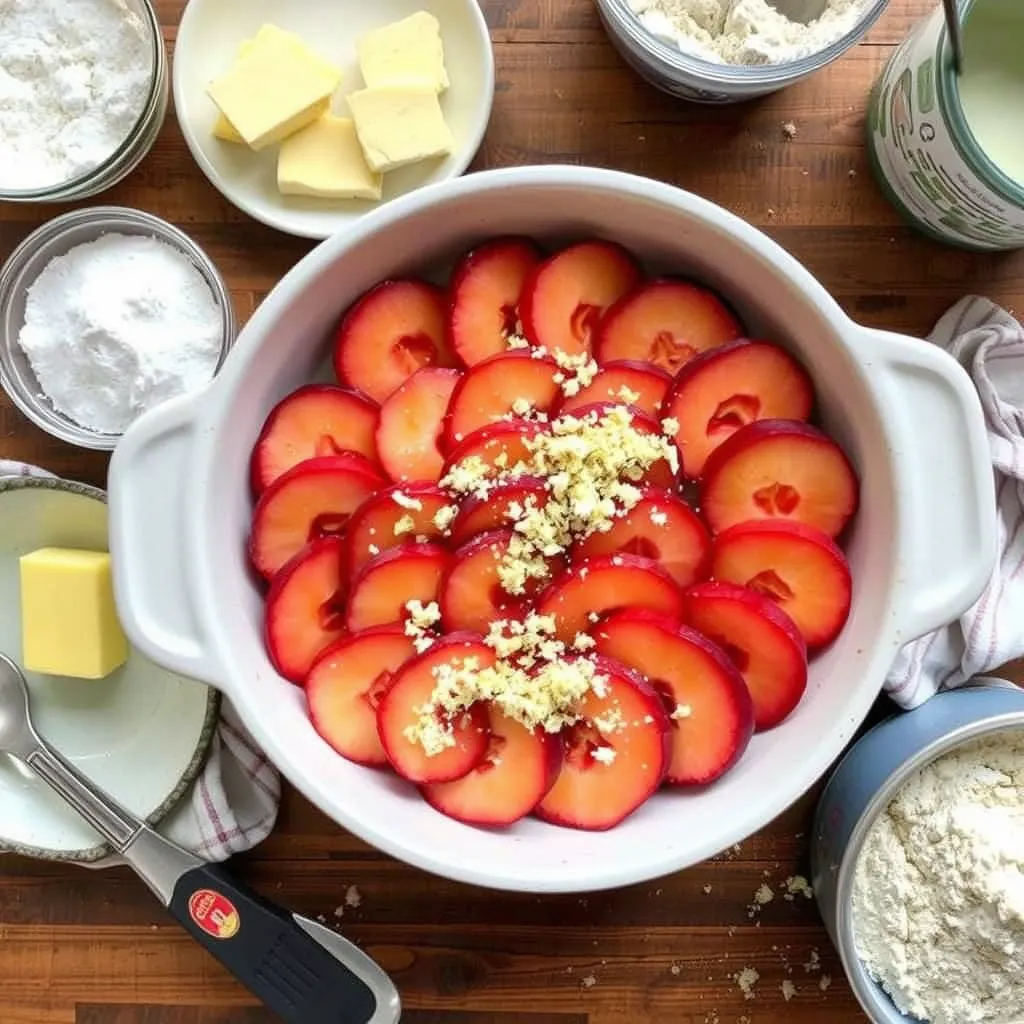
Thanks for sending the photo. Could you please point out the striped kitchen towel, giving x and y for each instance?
(233, 803)
(989, 343)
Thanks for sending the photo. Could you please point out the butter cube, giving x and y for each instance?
(270, 34)
(399, 125)
(325, 159)
(274, 90)
(69, 623)
(406, 52)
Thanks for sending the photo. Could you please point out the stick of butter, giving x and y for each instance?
(273, 90)
(406, 52)
(399, 125)
(69, 623)
(222, 128)
(325, 159)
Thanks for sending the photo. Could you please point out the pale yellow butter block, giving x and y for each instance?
(406, 52)
(399, 125)
(325, 160)
(272, 91)
(69, 622)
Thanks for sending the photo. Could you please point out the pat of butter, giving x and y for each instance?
(69, 623)
(222, 128)
(326, 160)
(273, 90)
(406, 52)
(399, 125)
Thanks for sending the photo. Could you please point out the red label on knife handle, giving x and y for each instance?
(214, 913)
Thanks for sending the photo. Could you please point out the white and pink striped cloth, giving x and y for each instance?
(989, 344)
(232, 805)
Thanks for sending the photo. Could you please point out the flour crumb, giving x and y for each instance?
(788, 990)
(824, 982)
(353, 897)
(797, 885)
(339, 911)
(707, 889)
(788, 130)
(763, 895)
(588, 981)
(938, 895)
(813, 962)
(747, 32)
(676, 969)
(746, 980)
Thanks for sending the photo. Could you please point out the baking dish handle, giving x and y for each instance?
(147, 493)
(944, 469)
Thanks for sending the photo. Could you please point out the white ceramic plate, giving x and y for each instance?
(141, 733)
(207, 44)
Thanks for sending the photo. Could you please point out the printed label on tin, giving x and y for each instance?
(214, 913)
(917, 159)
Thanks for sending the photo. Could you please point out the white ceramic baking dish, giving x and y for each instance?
(921, 549)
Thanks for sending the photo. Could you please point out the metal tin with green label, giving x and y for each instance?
(924, 152)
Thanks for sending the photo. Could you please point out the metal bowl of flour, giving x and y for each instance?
(138, 141)
(30, 258)
(867, 779)
(660, 61)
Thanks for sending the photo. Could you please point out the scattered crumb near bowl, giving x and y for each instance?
(588, 981)
(788, 990)
(824, 982)
(788, 130)
(813, 962)
(746, 979)
(797, 885)
(676, 969)
(707, 889)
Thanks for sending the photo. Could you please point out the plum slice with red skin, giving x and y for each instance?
(316, 498)
(372, 527)
(478, 515)
(798, 566)
(567, 295)
(472, 596)
(488, 391)
(516, 773)
(667, 322)
(345, 685)
(500, 447)
(719, 392)
(616, 756)
(779, 469)
(389, 333)
(411, 425)
(383, 587)
(305, 607)
(486, 287)
(760, 639)
(660, 526)
(597, 586)
(644, 383)
(709, 706)
(315, 420)
(411, 688)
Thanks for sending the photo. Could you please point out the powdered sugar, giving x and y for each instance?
(746, 31)
(74, 79)
(938, 900)
(118, 325)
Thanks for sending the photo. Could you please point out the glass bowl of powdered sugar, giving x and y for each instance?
(83, 95)
(104, 314)
(726, 51)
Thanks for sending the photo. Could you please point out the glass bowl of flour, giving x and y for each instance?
(726, 51)
(106, 313)
(83, 95)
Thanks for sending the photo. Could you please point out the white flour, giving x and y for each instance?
(118, 325)
(74, 79)
(746, 31)
(938, 901)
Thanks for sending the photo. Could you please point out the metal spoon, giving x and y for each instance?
(301, 970)
(956, 37)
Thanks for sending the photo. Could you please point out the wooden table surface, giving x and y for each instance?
(94, 948)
